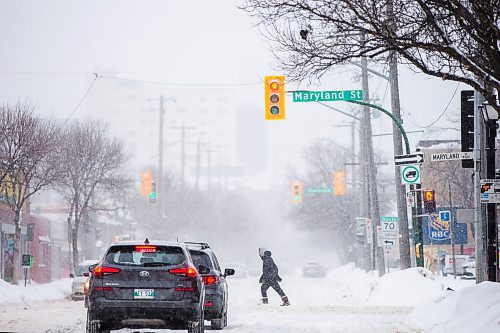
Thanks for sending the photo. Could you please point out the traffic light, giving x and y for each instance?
(339, 182)
(467, 124)
(274, 97)
(296, 192)
(152, 198)
(429, 201)
(146, 181)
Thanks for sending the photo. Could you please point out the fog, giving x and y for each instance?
(114, 60)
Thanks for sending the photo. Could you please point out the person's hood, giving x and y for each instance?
(267, 253)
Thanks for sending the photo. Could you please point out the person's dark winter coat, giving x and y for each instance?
(269, 269)
(270, 277)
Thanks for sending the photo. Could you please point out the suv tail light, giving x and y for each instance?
(184, 271)
(209, 279)
(100, 271)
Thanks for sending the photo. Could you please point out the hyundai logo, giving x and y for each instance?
(144, 273)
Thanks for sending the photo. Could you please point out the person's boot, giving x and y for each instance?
(265, 300)
(285, 301)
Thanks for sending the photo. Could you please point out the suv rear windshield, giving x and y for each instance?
(145, 255)
(201, 258)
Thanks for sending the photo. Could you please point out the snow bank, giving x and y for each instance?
(472, 309)
(59, 289)
(408, 287)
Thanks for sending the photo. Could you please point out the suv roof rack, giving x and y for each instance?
(203, 245)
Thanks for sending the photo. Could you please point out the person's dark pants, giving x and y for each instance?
(272, 284)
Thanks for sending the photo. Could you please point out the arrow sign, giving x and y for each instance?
(389, 242)
(451, 156)
(409, 159)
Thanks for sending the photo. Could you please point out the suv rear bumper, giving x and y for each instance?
(115, 312)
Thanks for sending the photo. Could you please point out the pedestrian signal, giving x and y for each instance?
(296, 192)
(274, 91)
(339, 182)
(429, 201)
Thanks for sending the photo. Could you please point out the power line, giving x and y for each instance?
(442, 113)
(82, 99)
(179, 84)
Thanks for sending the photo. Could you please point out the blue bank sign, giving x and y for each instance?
(440, 225)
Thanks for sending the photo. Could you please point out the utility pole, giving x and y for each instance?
(198, 152)
(160, 184)
(374, 211)
(491, 226)
(478, 214)
(404, 241)
(183, 129)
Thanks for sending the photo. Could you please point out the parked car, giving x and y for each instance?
(80, 277)
(150, 284)
(469, 270)
(216, 291)
(314, 269)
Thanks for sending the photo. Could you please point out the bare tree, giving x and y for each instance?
(29, 149)
(326, 213)
(90, 163)
(450, 39)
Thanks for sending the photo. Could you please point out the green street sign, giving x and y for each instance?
(319, 190)
(388, 219)
(328, 96)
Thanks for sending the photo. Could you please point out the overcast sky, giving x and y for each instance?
(50, 49)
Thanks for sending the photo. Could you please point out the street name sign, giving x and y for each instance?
(410, 174)
(490, 191)
(451, 156)
(409, 159)
(315, 190)
(327, 96)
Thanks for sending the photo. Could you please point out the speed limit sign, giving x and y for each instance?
(410, 199)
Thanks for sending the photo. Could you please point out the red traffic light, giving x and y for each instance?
(274, 85)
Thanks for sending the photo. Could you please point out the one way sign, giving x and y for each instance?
(417, 158)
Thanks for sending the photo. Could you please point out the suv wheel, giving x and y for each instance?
(94, 326)
(219, 323)
(197, 326)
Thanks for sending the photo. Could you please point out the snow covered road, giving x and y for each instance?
(318, 305)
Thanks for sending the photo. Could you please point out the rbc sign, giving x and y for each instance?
(440, 225)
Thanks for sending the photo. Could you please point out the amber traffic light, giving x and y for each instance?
(339, 182)
(146, 183)
(274, 95)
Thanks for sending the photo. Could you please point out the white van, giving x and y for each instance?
(460, 259)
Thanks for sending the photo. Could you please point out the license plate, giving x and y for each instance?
(144, 293)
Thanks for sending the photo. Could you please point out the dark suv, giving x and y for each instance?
(146, 285)
(215, 284)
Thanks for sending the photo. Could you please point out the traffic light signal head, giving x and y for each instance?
(274, 97)
(296, 192)
(339, 182)
(146, 181)
(429, 201)
(153, 198)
